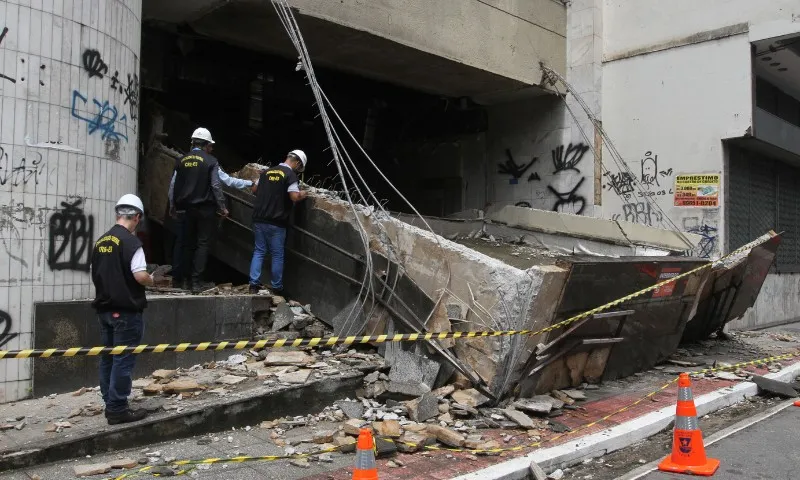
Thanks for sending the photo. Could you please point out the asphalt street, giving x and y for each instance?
(765, 450)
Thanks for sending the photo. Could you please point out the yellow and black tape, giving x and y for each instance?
(331, 341)
(252, 344)
(189, 465)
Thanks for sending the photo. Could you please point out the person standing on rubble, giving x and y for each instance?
(194, 198)
(119, 274)
(276, 190)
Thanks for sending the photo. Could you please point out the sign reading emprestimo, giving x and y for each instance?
(700, 190)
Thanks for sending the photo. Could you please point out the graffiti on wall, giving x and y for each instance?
(94, 65)
(568, 158)
(2, 37)
(21, 172)
(516, 170)
(623, 184)
(5, 329)
(105, 119)
(71, 235)
(566, 161)
(706, 227)
(640, 212)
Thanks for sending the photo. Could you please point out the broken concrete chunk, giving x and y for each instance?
(537, 404)
(93, 469)
(473, 441)
(345, 444)
(325, 436)
(353, 426)
(153, 389)
(519, 418)
(782, 389)
(444, 391)
(372, 377)
(388, 428)
(411, 368)
(123, 463)
(141, 383)
(374, 390)
(470, 397)
(291, 357)
(182, 386)
(298, 377)
(164, 374)
(282, 317)
(446, 436)
(302, 321)
(410, 442)
(351, 409)
(727, 376)
(575, 394)
(423, 408)
(558, 394)
(231, 380)
(409, 389)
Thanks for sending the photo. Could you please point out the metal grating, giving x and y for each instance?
(764, 195)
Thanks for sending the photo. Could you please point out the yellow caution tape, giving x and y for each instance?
(331, 341)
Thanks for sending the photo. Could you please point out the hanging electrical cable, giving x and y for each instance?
(664, 220)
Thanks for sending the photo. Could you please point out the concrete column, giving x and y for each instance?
(69, 87)
(584, 73)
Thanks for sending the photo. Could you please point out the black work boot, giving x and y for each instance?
(126, 416)
(254, 289)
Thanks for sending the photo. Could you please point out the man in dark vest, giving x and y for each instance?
(276, 191)
(119, 273)
(196, 196)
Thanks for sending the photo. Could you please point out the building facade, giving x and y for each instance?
(681, 115)
(68, 134)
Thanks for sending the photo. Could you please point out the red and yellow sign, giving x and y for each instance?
(697, 190)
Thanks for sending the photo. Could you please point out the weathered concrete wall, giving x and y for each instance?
(667, 114)
(167, 320)
(506, 37)
(68, 150)
(777, 303)
(417, 43)
(636, 27)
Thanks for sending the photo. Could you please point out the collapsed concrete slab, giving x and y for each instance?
(513, 269)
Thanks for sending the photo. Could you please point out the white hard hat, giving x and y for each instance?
(130, 200)
(202, 134)
(302, 156)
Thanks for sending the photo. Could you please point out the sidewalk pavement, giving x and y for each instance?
(609, 398)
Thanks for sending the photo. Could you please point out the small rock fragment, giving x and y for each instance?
(470, 397)
(123, 463)
(93, 469)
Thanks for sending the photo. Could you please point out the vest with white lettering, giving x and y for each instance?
(193, 180)
(273, 204)
(115, 286)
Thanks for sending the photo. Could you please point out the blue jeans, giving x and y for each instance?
(269, 239)
(118, 328)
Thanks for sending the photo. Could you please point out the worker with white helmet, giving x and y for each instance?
(276, 191)
(194, 198)
(119, 273)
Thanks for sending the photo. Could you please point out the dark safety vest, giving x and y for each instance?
(115, 286)
(193, 180)
(273, 204)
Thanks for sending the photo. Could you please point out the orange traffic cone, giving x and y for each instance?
(688, 453)
(365, 457)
